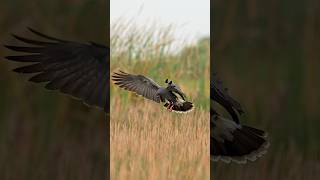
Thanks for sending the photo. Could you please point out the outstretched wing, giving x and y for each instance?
(221, 96)
(139, 84)
(76, 69)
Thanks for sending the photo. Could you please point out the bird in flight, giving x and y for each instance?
(231, 141)
(77, 69)
(149, 89)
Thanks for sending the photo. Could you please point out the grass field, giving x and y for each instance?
(147, 141)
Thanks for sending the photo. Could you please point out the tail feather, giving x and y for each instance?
(256, 131)
(246, 143)
(181, 107)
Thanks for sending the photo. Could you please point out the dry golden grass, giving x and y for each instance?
(148, 142)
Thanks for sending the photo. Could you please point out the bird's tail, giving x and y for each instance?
(237, 143)
(181, 107)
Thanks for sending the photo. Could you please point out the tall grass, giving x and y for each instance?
(151, 143)
(148, 142)
(149, 50)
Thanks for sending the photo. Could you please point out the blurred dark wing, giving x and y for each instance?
(221, 96)
(139, 84)
(79, 70)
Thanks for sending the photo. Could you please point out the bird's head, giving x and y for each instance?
(174, 88)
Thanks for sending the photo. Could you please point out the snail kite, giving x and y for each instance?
(149, 89)
(229, 140)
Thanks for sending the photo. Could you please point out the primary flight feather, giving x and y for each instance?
(77, 69)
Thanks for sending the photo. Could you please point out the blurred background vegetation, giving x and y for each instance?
(154, 51)
(43, 134)
(267, 53)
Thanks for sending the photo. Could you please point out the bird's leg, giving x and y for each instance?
(168, 107)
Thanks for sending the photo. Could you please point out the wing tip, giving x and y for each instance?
(44, 35)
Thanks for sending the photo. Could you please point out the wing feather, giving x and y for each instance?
(78, 69)
(139, 84)
(220, 95)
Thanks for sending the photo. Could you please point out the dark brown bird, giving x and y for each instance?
(149, 89)
(229, 140)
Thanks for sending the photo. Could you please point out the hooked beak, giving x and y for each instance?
(178, 91)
